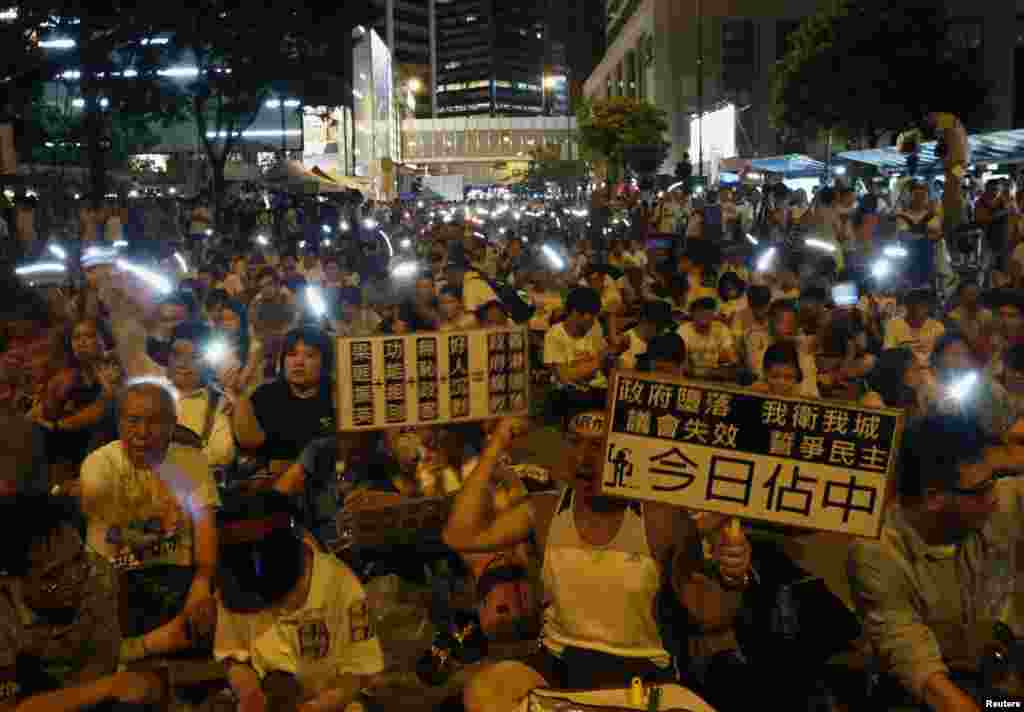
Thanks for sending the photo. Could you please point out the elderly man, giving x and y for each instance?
(149, 505)
(604, 561)
(932, 586)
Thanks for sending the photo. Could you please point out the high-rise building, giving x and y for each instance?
(405, 26)
(490, 57)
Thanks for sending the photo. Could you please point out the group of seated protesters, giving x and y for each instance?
(167, 499)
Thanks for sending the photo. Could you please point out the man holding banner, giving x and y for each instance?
(604, 563)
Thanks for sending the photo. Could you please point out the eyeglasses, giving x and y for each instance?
(983, 487)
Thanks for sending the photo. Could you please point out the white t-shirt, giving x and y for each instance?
(637, 346)
(560, 348)
(704, 352)
(142, 517)
(331, 635)
(899, 334)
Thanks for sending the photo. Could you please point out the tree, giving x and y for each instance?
(547, 166)
(94, 109)
(244, 54)
(862, 69)
(608, 126)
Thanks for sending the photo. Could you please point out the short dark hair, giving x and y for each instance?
(942, 343)
(933, 451)
(814, 294)
(665, 347)
(783, 353)
(1013, 357)
(918, 297)
(759, 296)
(583, 300)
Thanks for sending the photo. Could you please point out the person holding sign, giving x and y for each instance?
(604, 561)
(932, 587)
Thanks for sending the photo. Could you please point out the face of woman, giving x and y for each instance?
(302, 365)
(85, 342)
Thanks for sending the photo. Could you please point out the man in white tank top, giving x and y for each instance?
(604, 561)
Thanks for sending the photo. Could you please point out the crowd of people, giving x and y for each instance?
(176, 472)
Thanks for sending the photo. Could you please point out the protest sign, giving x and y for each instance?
(432, 378)
(790, 461)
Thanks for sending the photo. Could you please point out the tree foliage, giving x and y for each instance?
(607, 126)
(863, 69)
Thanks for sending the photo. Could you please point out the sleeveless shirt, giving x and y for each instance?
(601, 598)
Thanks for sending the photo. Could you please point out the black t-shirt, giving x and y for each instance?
(290, 423)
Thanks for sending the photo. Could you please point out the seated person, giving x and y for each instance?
(781, 369)
(285, 415)
(587, 641)
(576, 348)
(453, 315)
(655, 318)
(843, 360)
(930, 589)
(666, 353)
(918, 331)
(79, 397)
(710, 349)
(59, 616)
(149, 507)
(288, 610)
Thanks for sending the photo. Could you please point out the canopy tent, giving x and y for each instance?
(794, 165)
(994, 147)
(294, 175)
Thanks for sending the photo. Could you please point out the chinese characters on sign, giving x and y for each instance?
(812, 464)
(434, 378)
(506, 372)
(426, 373)
(394, 380)
(362, 383)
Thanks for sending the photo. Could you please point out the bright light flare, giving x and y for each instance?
(765, 260)
(553, 257)
(895, 252)
(40, 268)
(58, 252)
(181, 261)
(406, 243)
(152, 279)
(405, 270)
(216, 352)
(881, 269)
(753, 240)
(369, 224)
(262, 240)
(962, 388)
(820, 245)
(316, 302)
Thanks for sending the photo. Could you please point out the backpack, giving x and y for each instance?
(516, 303)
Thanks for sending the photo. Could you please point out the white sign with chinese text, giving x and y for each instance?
(432, 378)
(790, 461)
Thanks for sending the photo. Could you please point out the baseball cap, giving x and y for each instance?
(261, 551)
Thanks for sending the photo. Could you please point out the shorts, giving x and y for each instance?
(582, 669)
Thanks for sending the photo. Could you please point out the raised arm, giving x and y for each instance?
(472, 526)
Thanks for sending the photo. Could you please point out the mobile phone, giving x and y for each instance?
(845, 294)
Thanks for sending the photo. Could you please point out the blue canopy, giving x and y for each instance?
(995, 147)
(794, 165)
